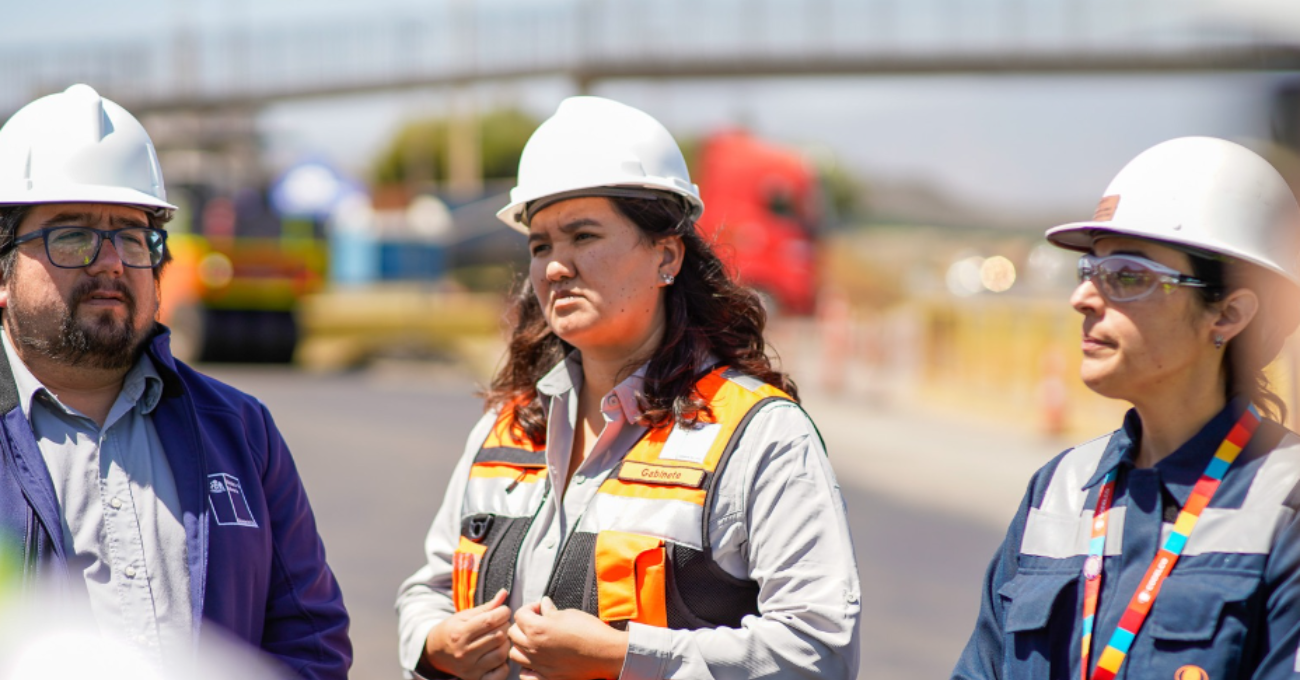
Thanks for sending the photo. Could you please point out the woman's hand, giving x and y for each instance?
(565, 644)
(472, 644)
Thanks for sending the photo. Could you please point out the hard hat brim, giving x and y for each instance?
(514, 214)
(90, 194)
(1080, 236)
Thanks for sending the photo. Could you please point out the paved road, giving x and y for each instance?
(375, 449)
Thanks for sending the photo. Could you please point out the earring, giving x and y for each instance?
(1218, 342)
(668, 279)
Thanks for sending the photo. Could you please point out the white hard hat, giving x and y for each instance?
(598, 147)
(77, 147)
(1209, 194)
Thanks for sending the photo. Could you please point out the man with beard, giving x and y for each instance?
(165, 502)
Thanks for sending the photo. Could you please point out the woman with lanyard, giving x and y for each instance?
(644, 495)
(1169, 548)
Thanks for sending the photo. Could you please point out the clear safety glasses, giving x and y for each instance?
(77, 247)
(1124, 278)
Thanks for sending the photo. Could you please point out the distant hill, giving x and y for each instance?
(907, 201)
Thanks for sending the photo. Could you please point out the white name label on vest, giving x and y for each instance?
(691, 446)
(632, 471)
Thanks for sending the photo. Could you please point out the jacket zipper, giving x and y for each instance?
(523, 472)
(30, 558)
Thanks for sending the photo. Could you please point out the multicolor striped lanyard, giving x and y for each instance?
(1140, 605)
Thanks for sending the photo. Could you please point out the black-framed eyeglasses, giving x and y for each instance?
(1125, 278)
(77, 247)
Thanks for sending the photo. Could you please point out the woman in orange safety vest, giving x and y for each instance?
(644, 497)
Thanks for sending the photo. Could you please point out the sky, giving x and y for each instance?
(1038, 144)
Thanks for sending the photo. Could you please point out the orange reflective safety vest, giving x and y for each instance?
(640, 551)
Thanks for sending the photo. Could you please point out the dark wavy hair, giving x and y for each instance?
(707, 316)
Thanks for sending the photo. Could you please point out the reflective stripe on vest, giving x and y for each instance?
(663, 483)
(1062, 526)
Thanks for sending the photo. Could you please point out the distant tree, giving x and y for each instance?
(690, 147)
(845, 194)
(417, 153)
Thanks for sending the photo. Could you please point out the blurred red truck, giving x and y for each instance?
(763, 208)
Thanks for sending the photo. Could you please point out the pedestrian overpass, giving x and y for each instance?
(459, 42)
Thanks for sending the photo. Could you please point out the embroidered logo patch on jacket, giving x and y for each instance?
(229, 506)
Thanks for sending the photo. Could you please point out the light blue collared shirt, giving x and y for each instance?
(119, 507)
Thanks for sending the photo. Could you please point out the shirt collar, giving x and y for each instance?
(625, 397)
(623, 400)
(27, 384)
(566, 376)
(1180, 470)
(142, 384)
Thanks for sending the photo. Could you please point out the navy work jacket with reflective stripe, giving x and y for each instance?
(256, 563)
(1229, 609)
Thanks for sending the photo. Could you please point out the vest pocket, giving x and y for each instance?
(701, 594)
(1037, 642)
(465, 563)
(488, 550)
(631, 578)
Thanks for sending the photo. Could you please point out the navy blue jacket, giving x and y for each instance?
(1230, 607)
(256, 563)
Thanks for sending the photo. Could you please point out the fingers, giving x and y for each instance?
(483, 622)
(473, 638)
(518, 656)
(499, 673)
(494, 619)
(530, 611)
(546, 606)
(528, 618)
(496, 601)
(494, 656)
(482, 646)
(528, 621)
(529, 674)
(516, 636)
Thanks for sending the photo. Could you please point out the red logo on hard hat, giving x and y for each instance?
(1106, 208)
(1191, 673)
